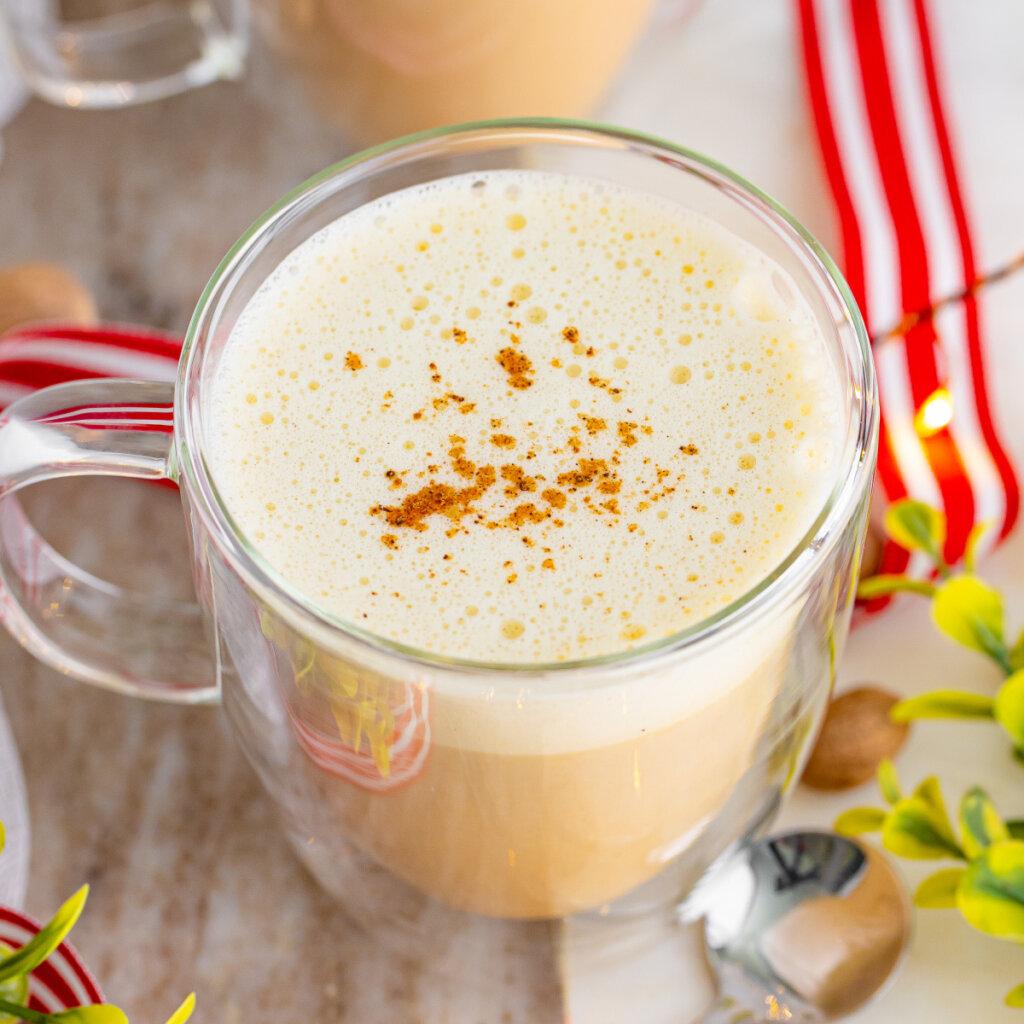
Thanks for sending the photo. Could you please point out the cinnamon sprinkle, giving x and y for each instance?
(626, 435)
(517, 366)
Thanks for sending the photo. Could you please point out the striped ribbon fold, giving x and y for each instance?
(874, 86)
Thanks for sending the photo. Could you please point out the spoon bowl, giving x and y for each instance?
(804, 926)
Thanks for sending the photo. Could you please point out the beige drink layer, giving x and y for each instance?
(517, 417)
(381, 68)
(524, 418)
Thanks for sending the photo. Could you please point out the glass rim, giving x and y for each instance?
(191, 472)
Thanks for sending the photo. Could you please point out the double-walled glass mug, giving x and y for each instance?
(419, 786)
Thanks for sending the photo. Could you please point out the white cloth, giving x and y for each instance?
(14, 815)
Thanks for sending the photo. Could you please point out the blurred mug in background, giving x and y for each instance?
(376, 68)
(382, 68)
(111, 53)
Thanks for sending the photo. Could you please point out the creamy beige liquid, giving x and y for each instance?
(517, 417)
(382, 68)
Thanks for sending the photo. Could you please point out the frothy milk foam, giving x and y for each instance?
(520, 417)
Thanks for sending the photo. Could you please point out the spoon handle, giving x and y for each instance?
(741, 1001)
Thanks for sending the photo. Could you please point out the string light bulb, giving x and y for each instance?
(935, 414)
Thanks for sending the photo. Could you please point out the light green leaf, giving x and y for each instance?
(1015, 997)
(938, 891)
(1017, 653)
(978, 533)
(944, 704)
(15, 1011)
(99, 1013)
(930, 792)
(916, 527)
(916, 830)
(971, 612)
(888, 782)
(13, 990)
(41, 945)
(891, 583)
(1009, 707)
(183, 1012)
(991, 894)
(980, 824)
(859, 820)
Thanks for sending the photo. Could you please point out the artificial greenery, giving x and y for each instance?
(16, 965)
(966, 609)
(987, 885)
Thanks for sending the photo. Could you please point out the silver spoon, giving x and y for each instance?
(802, 927)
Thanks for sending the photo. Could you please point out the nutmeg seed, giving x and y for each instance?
(855, 736)
(33, 292)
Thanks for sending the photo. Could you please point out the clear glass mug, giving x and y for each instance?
(378, 68)
(110, 53)
(417, 787)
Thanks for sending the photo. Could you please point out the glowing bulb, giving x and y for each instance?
(934, 414)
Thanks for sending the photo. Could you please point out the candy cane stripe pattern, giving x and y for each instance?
(874, 88)
(62, 981)
(40, 355)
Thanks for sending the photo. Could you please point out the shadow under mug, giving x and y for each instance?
(418, 786)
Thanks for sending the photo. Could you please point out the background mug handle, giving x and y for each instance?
(65, 616)
(146, 51)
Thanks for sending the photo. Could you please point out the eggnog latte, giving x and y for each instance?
(520, 418)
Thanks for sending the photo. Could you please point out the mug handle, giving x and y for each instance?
(81, 625)
(146, 52)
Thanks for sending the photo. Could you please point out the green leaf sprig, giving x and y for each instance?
(966, 609)
(987, 883)
(987, 886)
(16, 965)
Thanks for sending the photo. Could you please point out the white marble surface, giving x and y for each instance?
(192, 886)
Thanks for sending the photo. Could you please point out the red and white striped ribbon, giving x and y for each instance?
(62, 981)
(39, 355)
(874, 86)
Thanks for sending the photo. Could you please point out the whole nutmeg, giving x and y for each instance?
(33, 292)
(855, 736)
